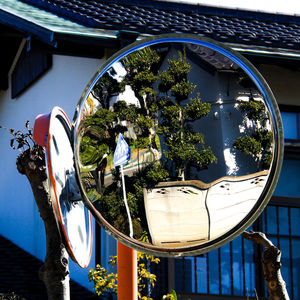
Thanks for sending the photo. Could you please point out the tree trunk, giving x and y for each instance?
(156, 154)
(271, 266)
(55, 271)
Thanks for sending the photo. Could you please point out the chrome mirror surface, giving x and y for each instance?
(178, 145)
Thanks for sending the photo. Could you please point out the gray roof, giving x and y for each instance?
(157, 17)
(100, 22)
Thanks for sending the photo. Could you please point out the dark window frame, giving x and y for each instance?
(285, 201)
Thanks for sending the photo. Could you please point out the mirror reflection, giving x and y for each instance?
(174, 143)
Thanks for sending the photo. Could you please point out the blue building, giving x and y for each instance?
(51, 49)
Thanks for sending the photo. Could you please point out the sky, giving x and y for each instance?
(289, 7)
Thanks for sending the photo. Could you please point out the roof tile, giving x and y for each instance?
(235, 28)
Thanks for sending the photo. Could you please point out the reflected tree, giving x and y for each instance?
(100, 134)
(106, 87)
(166, 113)
(185, 147)
(259, 143)
(142, 72)
(142, 69)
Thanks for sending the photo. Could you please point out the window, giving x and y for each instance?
(282, 226)
(229, 270)
(291, 125)
(291, 122)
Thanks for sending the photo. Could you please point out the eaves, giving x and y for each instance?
(54, 31)
(49, 28)
(266, 51)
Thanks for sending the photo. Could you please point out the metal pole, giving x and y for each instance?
(127, 273)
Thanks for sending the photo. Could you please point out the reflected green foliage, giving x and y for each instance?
(100, 136)
(259, 144)
(142, 71)
(248, 145)
(11, 296)
(185, 148)
(196, 109)
(126, 112)
(106, 87)
(255, 110)
(155, 173)
(182, 89)
(176, 76)
(90, 151)
(166, 114)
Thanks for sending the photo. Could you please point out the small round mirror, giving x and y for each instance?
(178, 145)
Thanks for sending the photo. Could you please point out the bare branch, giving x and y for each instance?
(271, 265)
(258, 238)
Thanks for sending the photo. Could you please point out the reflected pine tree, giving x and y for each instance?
(185, 148)
(259, 144)
(164, 114)
(106, 87)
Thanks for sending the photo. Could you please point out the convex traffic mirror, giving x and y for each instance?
(178, 145)
(73, 219)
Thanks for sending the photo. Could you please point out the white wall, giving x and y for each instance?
(61, 86)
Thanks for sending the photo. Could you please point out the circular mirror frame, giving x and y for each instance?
(43, 136)
(274, 173)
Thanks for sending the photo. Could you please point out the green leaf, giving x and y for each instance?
(248, 145)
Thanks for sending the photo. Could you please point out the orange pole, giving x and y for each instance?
(127, 273)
